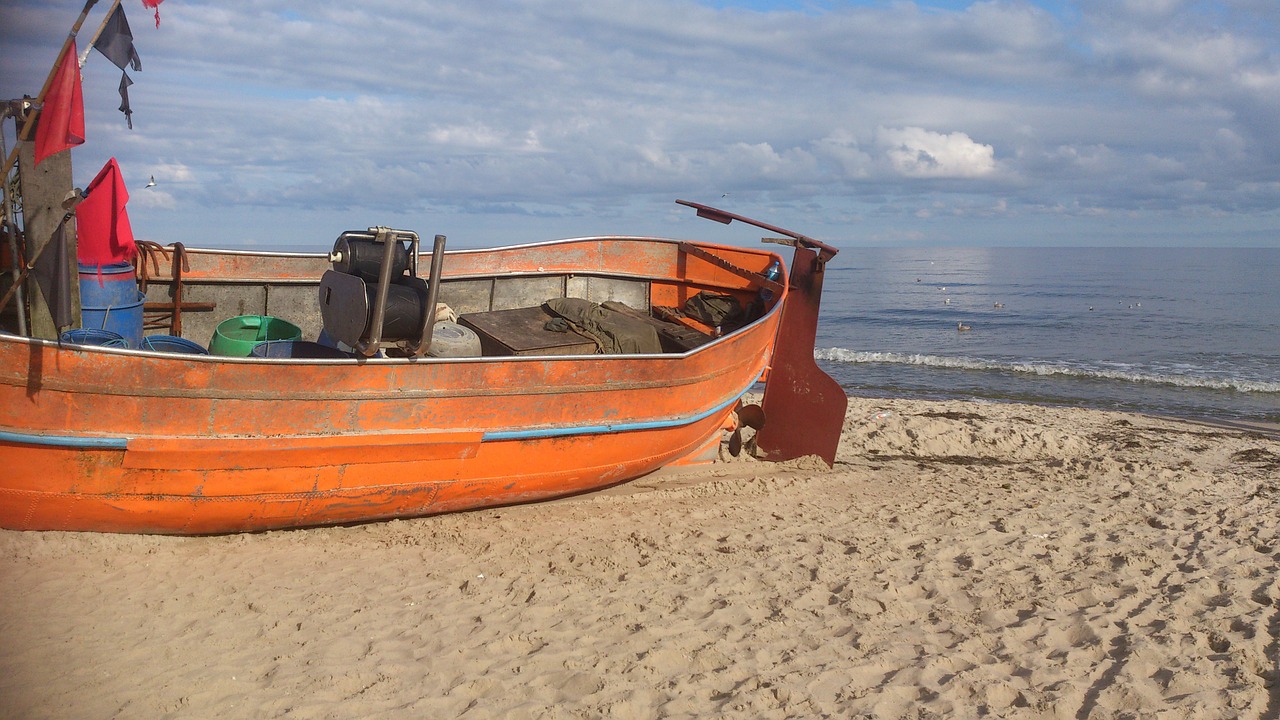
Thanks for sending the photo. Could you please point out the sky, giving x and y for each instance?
(273, 124)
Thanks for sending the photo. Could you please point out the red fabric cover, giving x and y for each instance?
(61, 121)
(104, 235)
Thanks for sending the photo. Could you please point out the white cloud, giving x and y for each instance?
(1152, 8)
(480, 137)
(919, 153)
(171, 172)
(844, 149)
(828, 119)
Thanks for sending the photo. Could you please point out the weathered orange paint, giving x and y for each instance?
(206, 444)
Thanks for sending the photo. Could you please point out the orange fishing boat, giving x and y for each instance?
(97, 438)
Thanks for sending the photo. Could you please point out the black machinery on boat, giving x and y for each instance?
(374, 296)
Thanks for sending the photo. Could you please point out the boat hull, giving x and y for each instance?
(111, 440)
(108, 496)
(245, 461)
(117, 440)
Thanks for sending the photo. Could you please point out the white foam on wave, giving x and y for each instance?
(1190, 380)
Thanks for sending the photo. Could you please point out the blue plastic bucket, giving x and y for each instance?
(172, 344)
(93, 336)
(124, 319)
(295, 349)
(107, 285)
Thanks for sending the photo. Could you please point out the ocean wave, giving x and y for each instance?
(842, 355)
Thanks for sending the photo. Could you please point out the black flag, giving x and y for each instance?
(116, 43)
(50, 271)
(125, 82)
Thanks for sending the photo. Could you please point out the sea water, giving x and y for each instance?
(1190, 332)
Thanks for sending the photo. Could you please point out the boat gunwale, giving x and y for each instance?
(485, 250)
(389, 394)
(384, 361)
(196, 278)
(199, 278)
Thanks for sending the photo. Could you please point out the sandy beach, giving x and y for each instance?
(961, 560)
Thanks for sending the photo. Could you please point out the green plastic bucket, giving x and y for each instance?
(237, 336)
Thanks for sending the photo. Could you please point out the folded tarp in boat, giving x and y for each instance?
(616, 332)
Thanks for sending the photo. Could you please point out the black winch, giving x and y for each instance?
(373, 295)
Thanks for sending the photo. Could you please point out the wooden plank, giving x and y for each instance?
(169, 307)
(522, 331)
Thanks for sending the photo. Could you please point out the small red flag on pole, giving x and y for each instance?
(61, 122)
(155, 4)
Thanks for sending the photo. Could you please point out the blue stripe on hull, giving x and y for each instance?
(604, 429)
(105, 443)
(120, 443)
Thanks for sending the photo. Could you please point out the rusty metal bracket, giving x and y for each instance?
(161, 315)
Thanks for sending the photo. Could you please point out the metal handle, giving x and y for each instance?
(825, 251)
(433, 295)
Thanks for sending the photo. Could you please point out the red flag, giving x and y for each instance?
(153, 4)
(104, 236)
(61, 121)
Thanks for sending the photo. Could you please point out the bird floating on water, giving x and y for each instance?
(999, 305)
(961, 327)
